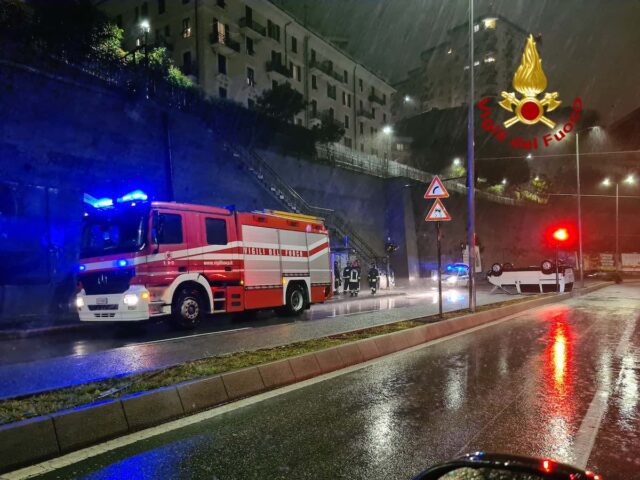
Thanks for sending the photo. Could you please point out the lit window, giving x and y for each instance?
(476, 28)
(450, 51)
(489, 59)
(476, 63)
(490, 23)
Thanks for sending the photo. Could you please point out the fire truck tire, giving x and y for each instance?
(188, 308)
(547, 267)
(296, 301)
(496, 269)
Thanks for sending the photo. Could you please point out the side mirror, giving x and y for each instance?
(156, 230)
(482, 466)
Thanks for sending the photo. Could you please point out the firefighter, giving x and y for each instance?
(354, 279)
(337, 279)
(346, 274)
(374, 278)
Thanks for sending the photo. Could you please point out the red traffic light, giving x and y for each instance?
(561, 235)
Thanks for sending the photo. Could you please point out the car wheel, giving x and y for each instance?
(547, 267)
(187, 309)
(496, 269)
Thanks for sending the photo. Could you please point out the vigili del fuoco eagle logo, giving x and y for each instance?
(529, 80)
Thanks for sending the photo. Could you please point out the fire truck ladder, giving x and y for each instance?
(274, 184)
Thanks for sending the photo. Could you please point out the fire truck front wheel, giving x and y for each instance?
(188, 308)
(296, 301)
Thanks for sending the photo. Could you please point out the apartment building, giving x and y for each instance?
(237, 49)
(441, 80)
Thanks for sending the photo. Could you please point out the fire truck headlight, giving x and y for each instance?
(131, 299)
(79, 302)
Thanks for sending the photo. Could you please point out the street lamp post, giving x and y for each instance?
(630, 180)
(144, 25)
(471, 207)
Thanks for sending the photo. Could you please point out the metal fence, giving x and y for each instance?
(350, 159)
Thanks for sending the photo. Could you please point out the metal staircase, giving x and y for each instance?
(269, 179)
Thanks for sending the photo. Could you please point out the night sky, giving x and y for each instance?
(590, 48)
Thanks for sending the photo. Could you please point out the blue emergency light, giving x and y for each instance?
(122, 262)
(136, 195)
(82, 268)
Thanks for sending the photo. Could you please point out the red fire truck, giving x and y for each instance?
(147, 259)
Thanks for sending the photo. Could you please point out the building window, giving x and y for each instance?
(361, 128)
(331, 91)
(314, 82)
(222, 92)
(297, 72)
(294, 44)
(489, 23)
(476, 28)
(314, 108)
(360, 84)
(298, 121)
(361, 109)
(273, 30)
(400, 147)
(344, 98)
(144, 10)
(251, 77)
(371, 129)
(313, 56)
(347, 142)
(251, 103)
(384, 98)
(187, 66)
(249, 46)
(331, 113)
(222, 64)
(384, 117)
(373, 112)
(348, 100)
(186, 28)
(221, 3)
(167, 31)
(346, 76)
(346, 121)
(216, 229)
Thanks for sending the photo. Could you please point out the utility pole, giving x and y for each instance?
(471, 207)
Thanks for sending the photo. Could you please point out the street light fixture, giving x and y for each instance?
(387, 129)
(146, 28)
(456, 162)
(504, 181)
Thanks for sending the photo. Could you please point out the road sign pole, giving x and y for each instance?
(557, 273)
(439, 269)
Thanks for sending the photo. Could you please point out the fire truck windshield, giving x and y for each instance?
(113, 231)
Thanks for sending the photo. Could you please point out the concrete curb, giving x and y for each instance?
(36, 439)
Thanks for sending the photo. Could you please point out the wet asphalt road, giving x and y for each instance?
(537, 384)
(39, 363)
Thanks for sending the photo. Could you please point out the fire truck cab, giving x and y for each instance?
(146, 259)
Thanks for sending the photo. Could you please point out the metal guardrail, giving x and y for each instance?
(350, 159)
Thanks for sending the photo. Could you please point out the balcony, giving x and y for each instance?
(223, 44)
(279, 68)
(366, 114)
(376, 99)
(252, 29)
(326, 68)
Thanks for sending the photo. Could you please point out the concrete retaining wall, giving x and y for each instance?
(29, 441)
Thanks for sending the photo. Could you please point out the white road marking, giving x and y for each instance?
(586, 437)
(185, 336)
(81, 455)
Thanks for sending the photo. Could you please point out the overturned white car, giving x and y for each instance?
(541, 279)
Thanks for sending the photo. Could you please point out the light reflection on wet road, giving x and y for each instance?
(39, 363)
(523, 386)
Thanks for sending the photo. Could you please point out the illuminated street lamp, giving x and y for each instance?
(629, 180)
(145, 27)
(456, 162)
(504, 181)
(387, 129)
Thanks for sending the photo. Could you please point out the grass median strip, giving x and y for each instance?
(56, 400)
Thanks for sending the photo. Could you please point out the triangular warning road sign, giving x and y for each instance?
(436, 189)
(438, 213)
